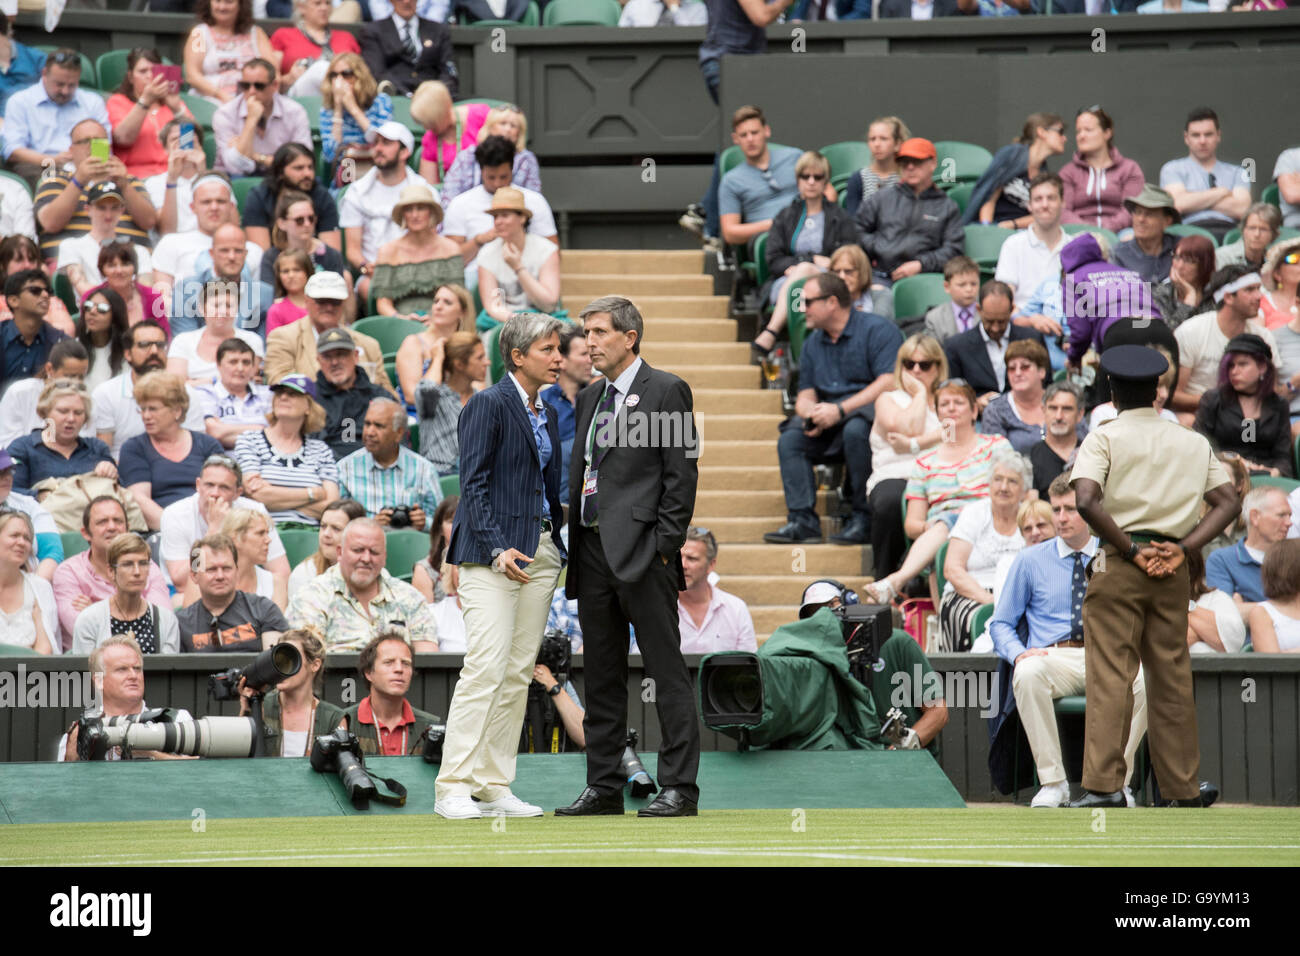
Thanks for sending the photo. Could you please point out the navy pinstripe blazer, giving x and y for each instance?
(503, 493)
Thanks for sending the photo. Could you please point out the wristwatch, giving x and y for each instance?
(555, 691)
(496, 553)
(1133, 550)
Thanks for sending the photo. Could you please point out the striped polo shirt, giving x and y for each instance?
(47, 190)
(949, 487)
(311, 465)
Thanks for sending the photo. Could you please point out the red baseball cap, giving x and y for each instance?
(916, 148)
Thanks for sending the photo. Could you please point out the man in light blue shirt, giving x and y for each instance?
(755, 191)
(1208, 192)
(38, 120)
(383, 475)
(1037, 626)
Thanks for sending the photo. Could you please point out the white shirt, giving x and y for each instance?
(1201, 344)
(727, 626)
(1025, 261)
(369, 203)
(19, 629)
(438, 10)
(18, 411)
(997, 352)
(689, 13)
(84, 251)
(468, 215)
(186, 346)
(176, 252)
(988, 547)
(1232, 629)
(452, 638)
(182, 525)
(922, 11)
(115, 410)
(535, 254)
(1106, 412)
(156, 187)
(303, 574)
(17, 216)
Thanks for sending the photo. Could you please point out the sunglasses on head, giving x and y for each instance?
(922, 366)
(246, 85)
(62, 57)
(1094, 108)
(959, 382)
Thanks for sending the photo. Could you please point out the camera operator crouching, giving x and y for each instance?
(293, 714)
(550, 695)
(384, 721)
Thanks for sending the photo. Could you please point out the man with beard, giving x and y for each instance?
(366, 214)
(116, 414)
(292, 167)
(1062, 418)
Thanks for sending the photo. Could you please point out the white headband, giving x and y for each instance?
(212, 178)
(1251, 278)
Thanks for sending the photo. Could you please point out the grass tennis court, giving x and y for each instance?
(978, 836)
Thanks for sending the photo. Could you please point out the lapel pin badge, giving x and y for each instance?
(632, 401)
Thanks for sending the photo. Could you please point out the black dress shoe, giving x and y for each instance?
(592, 803)
(1092, 799)
(857, 531)
(1209, 793)
(792, 533)
(671, 802)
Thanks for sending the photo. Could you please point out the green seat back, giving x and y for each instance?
(845, 158)
(388, 330)
(1074, 705)
(1286, 484)
(983, 243)
(760, 259)
(960, 194)
(918, 294)
(482, 99)
(406, 546)
(243, 185)
(63, 288)
(980, 622)
(1183, 229)
(1271, 195)
(312, 104)
(532, 18)
(496, 362)
(939, 559)
(299, 544)
(571, 13)
(1232, 236)
(450, 485)
(73, 544)
(1295, 454)
(110, 68)
(201, 109)
(959, 162)
(797, 326)
(730, 158)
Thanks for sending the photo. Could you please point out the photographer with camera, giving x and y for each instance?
(225, 618)
(293, 714)
(384, 721)
(397, 487)
(117, 668)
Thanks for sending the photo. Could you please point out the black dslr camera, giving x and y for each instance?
(433, 736)
(556, 654)
(340, 752)
(401, 517)
(269, 668)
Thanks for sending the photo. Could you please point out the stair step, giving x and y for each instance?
(749, 528)
(718, 376)
(587, 286)
(632, 261)
(737, 478)
(689, 330)
(819, 560)
(784, 589)
(675, 306)
(737, 401)
(750, 504)
(758, 453)
(666, 353)
(735, 428)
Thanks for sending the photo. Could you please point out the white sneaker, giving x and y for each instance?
(508, 806)
(1128, 798)
(457, 808)
(1052, 795)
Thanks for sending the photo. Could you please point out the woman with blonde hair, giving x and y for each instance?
(351, 109)
(410, 268)
(336, 516)
(59, 450)
(885, 135)
(251, 532)
(448, 129)
(510, 123)
(905, 425)
(460, 374)
(452, 311)
(27, 608)
(293, 713)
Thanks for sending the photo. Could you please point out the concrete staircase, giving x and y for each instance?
(740, 498)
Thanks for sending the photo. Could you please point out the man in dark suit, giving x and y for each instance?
(903, 9)
(631, 495)
(508, 519)
(979, 354)
(406, 50)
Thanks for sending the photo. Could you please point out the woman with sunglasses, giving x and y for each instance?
(102, 329)
(351, 106)
(28, 616)
(943, 481)
(1245, 414)
(218, 46)
(18, 254)
(1281, 275)
(128, 611)
(141, 107)
(1183, 294)
(120, 268)
(1002, 194)
(906, 424)
(295, 228)
(1097, 178)
(1017, 414)
(465, 174)
(801, 240)
(309, 42)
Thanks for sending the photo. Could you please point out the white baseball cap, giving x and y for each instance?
(815, 596)
(327, 285)
(397, 133)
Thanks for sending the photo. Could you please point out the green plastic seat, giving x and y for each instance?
(983, 243)
(760, 259)
(532, 18)
(89, 78)
(1183, 229)
(1074, 704)
(1232, 236)
(1295, 455)
(918, 294)
(1074, 228)
(939, 559)
(299, 544)
(312, 104)
(960, 194)
(1271, 195)
(729, 159)
(18, 179)
(406, 546)
(388, 330)
(63, 288)
(1286, 484)
(201, 109)
(959, 162)
(845, 158)
(110, 68)
(980, 622)
(450, 485)
(73, 543)
(243, 185)
(797, 323)
(482, 99)
(573, 13)
(496, 362)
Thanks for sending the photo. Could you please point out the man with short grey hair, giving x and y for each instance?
(1237, 571)
(1063, 429)
(397, 487)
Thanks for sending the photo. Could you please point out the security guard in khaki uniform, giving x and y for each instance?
(1139, 482)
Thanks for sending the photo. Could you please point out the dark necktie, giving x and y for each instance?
(595, 450)
(1212, 182)
(1078, 585)
(411, 42)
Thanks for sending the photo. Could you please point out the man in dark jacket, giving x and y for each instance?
(979, 354)
(911, 226)
(344, 391)
(406, 50)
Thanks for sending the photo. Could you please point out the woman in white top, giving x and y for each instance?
(1106, 411)
(517, 271)
(332, 522)
(193, 355)
(985, 532)
(905, 425)
(1275, 623)
(251, 532)
(224, 39)
(1214, 624)
(27, 609)
(127, 611)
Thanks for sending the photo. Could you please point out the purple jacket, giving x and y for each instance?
(1096, 293)
(1097, 198)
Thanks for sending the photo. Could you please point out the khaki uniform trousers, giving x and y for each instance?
(1131, 619)
(504, 623)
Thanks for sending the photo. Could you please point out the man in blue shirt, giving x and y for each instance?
(575, 373)
(1208, 192)
(1037, 627)
(39, 120)
(227, 260)
(847, 361)
(1236, 571)
(23, 65)
(754, 192)
(26, 340)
